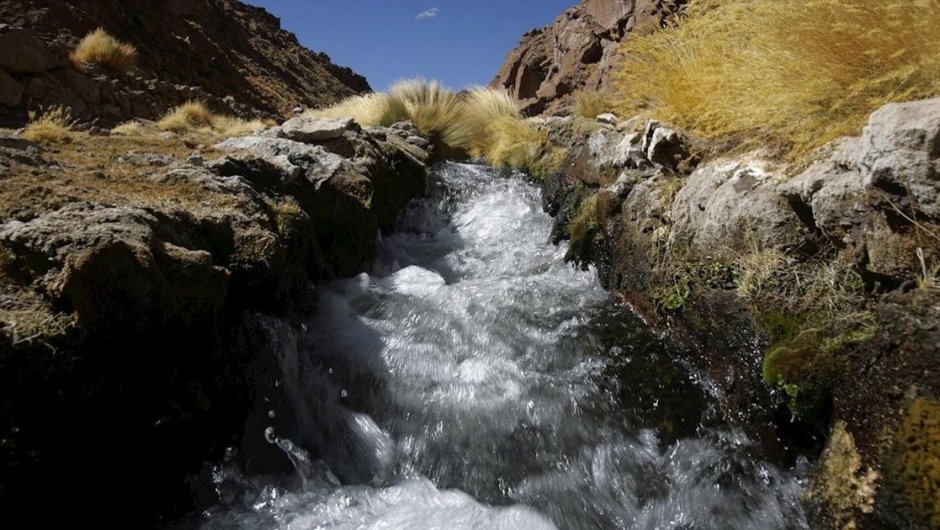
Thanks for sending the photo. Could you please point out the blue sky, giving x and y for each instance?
(459, 42)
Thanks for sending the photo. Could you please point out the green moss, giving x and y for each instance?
(808, 356)
(912, 466)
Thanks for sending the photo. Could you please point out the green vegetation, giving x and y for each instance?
(101, 49)
(793, 73)
(480, 122)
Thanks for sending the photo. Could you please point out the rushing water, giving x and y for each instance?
(475, 380)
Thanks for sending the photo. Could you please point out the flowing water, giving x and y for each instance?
(475, 380)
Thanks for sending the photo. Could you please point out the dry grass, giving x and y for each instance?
(431, 107)
(195, 116)
(100, 48)
(52, 125)
(592, 103)
(796, 73)
(480, 122)
(368, 110)
(514, 143)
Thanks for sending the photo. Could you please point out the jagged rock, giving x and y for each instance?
(727, 207)
(21, 51)
(579, 50)
(860, 193)
(663, 145)
(316, 129)
(296, 160)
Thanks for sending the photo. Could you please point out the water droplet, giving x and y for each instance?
(272, 414)
(270, 436)
(230, 454)
(303, 327)
(330, 371)
(343, 394)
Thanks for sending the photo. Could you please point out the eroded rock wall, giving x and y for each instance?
(578, 51)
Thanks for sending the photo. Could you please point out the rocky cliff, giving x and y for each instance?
(577, 51)
(231, 54)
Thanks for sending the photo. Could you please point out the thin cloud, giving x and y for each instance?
(430, 13)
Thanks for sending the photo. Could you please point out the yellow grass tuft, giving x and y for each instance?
(592, 103)
(100, 48)
(189, 115)
(797, 73)
(368, 110)
(480, 122)
(431, 107)
(52, 125)
(514, 143)
(480, 108)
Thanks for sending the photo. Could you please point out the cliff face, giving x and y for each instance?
(578, 50)
(238, 54)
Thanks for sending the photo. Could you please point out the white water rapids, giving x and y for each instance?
(475, 380)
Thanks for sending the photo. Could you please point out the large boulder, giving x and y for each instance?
(869, 192)
(11, 90)
(22, 52)
(729, 206)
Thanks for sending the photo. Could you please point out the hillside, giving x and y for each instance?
(236, 54)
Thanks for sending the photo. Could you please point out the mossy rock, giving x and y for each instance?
(912, 467)
(808, 356)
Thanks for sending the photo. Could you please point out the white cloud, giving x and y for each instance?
(430, 13)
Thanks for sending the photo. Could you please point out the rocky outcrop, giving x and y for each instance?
(812, 300)
(244, 62)
(578, 51)
(133, 331)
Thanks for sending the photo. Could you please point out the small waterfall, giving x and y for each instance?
(475, 380)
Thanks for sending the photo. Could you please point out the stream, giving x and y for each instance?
(476, 380)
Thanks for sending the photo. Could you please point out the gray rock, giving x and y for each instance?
(896, 159)
(663, 145)
(22, 52)
(11, 90)
(727, 207)
(607, 118)
(294, 159)
(316, 129)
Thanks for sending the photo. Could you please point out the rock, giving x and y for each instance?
(312, 130)
(727, 207)
(11, 90)
(859, 194)
(296, 160)
(608, 119)
(577, 51)
(664, 146)
(21, 51)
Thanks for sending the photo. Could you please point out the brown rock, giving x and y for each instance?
(579, 50)
(11, 90)
(22, 52)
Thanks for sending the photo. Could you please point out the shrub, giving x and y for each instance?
(797, 73)
(591, 103)
(431, 107)
(189, 115)
(514, 143)
(195, 116)
(100, 48)
(50, 125)
(368, 110)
